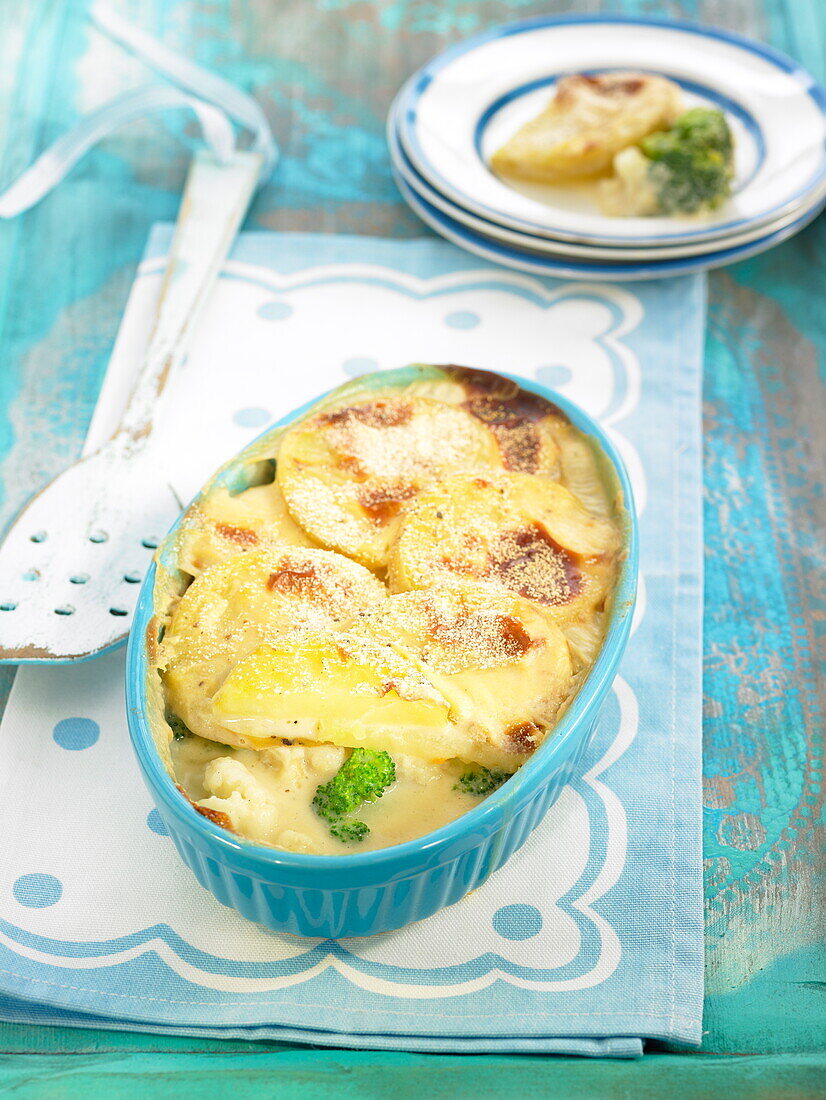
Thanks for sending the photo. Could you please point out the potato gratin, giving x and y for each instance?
(381, 611)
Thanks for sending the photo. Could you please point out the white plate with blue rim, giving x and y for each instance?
(537, 263)
(404, 167)
(465, 103)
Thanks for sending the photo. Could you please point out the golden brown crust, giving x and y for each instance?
(241, 536)
(499, 637)
(610, 85)
(295, 580)
(524, 736)
(217, 817)
(518, 532)
(346, 473)
(384, 413)
(530, 563)
(384, 502)
(520, 421)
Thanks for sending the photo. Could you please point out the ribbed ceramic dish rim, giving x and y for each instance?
(565, 250)
(491, 812)
(419, 81)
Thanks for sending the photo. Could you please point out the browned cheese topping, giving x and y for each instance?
(528, 561)
(474, 639)
(515, 417)
(241, 536)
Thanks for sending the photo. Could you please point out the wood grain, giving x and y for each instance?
(303, 1075)
(325, 74)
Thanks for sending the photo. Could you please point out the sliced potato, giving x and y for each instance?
(585, 640)
(471, 675)
(524, 424)
(588, 121)
(221, 525)
(533, 434)
(332, 688)
(522, 533)
(246, 601)
(346, 473)
(583, 472)
(504, 668)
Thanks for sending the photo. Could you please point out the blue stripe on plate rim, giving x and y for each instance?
(496, 252)
(403, 165)
(413, 89)
(725, 103)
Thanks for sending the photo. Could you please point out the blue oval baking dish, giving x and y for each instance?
(377, 891)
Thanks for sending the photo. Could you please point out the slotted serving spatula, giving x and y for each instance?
(68, 581)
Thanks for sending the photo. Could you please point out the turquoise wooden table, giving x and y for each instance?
(325, 73)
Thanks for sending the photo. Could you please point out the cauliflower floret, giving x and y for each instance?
(295, 841)
(630, 192)
(239, 795)
(417, 770)
(223, 776)
(296, 763)
(324, 760)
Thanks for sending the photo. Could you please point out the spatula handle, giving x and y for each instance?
(215, 200)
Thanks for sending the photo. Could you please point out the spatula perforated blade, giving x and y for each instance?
(71, 564)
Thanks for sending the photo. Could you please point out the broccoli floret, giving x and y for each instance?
(692, 164)
(363, 777)
(481, 781)
(179, 730)
(351, 832)
(701, 126)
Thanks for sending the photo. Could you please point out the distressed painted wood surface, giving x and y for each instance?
(325, 73)
(296, 1075)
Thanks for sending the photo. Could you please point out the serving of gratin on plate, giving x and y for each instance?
(631, 132)
(387, 617)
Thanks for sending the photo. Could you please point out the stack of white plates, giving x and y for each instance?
(456, 111)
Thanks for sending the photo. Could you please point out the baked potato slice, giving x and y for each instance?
(222, 524)
(472, 675)
(587, 122)
(519, 533)
(244, 602)
(347, 472)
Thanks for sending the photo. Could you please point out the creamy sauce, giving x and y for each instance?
(268, 795)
